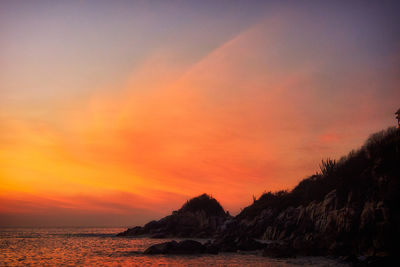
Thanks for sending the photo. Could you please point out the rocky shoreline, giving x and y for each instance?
(349, 210)
(271, 250)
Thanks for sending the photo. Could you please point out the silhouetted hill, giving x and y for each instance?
(204, 203)
(198, 217)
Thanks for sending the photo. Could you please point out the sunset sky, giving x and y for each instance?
(113, 113)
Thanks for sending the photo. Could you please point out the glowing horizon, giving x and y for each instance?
(115, 115)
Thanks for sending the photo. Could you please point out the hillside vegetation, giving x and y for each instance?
(371, 172)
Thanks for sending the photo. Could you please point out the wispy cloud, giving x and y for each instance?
(256, 112)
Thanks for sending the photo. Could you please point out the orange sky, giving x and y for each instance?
(255, 111)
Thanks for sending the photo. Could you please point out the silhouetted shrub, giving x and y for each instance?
(327, 167)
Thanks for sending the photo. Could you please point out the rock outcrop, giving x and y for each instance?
(350, 208)
(200, 217)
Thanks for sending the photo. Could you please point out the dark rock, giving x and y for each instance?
(210, 248)
(232, 243)
(226, 243)
(279, 250)
(159, 235)
(162, 248)
(135, 231)
(173, 247)
(190, 247)
(248, 244)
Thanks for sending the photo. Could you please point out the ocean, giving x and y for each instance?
(100, 247)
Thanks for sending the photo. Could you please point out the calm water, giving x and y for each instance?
(99, 246)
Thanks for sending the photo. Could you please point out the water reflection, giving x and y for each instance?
(99, 246)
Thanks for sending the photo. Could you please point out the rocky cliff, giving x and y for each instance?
(351, 207)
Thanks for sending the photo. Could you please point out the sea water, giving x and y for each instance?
(100, 247)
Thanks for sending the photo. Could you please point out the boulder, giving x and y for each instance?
(161, 248)
(279, 250)
(226, 243)
(248, 244)
(232, 243)
(210, 248)
(135, 231)
(173, 247)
